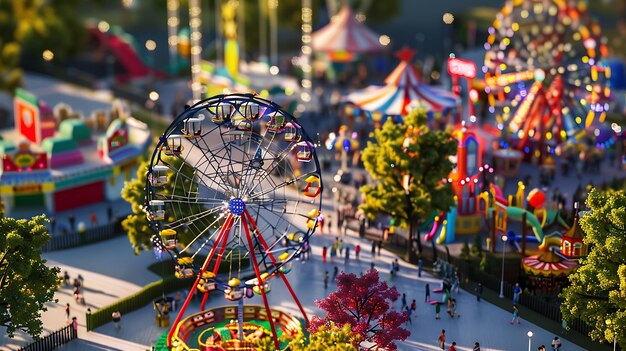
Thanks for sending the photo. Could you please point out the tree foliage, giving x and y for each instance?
(136, 224)
(26, 283)
(363, 303)
(30, 27)
(597, 292)
(425, 159)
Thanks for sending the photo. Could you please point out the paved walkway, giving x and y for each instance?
(111, 271)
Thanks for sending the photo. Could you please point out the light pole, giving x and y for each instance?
(530, 335)
(608, 323)
(504, 239)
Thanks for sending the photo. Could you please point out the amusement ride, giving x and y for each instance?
(233, 194)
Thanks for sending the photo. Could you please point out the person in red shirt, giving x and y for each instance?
(442, 339)
(453, 346)
(357, 250)
(324, 250)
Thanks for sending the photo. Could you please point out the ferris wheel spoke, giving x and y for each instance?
(201, 234)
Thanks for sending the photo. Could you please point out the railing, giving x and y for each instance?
(136, 301)
(53, 340)
(532, 302)
(73, 239)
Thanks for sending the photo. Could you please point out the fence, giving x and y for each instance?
(53, 340)
(532, 302)
(136, 301)
(73, 239)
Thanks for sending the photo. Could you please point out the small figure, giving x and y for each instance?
(380, 246)
(93, 218)
(324, 251)
(326, 280)
(347, 257)
(408, 312)
(453, 346)
(479, 291)
(403, 300)
(437, 310)
(335, 272)
(556, 344)
(419, 267)
(476, 346)
(414, 307)
(427, 297)
(357, 250)
(66, 278)
(442, 339)
(516, 315)
(517, 291)
(117, 318)
(67, 313)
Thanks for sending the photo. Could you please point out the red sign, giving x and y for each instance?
(463, 68)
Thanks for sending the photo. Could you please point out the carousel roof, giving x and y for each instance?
(575, 231)
(548, 264)
(345, 33)
(403, 92)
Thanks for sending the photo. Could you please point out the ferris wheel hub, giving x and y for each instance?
(236, 206)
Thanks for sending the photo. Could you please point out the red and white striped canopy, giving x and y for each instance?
(345, 33)
(403, 92)
(538, 265)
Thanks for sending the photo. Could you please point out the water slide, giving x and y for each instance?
(436, 228)
(516, 213)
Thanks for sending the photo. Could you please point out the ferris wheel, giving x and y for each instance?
(233, 194)
(544, 72)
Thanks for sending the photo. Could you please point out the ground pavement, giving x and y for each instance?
(111, 271)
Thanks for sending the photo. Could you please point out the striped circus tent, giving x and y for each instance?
(548, 264)
(344, 36)
(402, 92)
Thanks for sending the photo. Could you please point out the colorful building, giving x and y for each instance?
(57, 160)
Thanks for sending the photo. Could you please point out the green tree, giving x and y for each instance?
(136, 224)
(597, 293)
(29, 28)
(410, 154)
(26, 283)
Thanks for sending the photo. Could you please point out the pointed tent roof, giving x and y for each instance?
(575, 232)
(403, 92)
(345, 33)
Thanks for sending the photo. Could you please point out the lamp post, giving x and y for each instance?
(608, 323)
(530, 335)
(504, 239)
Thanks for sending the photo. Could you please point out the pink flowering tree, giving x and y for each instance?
(364, 303)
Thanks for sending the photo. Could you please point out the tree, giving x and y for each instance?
(26, 283)
(408, 161)
(136, 224)
(27, 28)
(597, 293)
(364, 303)
(477, 245)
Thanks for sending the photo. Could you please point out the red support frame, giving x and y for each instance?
(260, 282)
(223, 232)
(269, 253)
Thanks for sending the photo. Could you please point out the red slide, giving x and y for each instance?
(125, 54)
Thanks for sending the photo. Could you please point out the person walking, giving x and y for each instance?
(517, 291)
(403, 301)
(340, 247)
(67, 313)
(324, 251)
(380, 246)
(437, 310)
(476, 346)
(335, 272)
(453, 312)
(326, 280)
(357, 250)
(427, 296)
(452, 346)
(66, 278)
(72, 220)
(75, 327)
(479, 291)
(556, 344)
(347, 257)
(442, 339)
(117, 319)
(419, 267)
(515, 315)
(373, 248)
(414, 307)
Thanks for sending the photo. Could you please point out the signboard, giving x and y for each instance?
(27, 115)
(461, 68)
